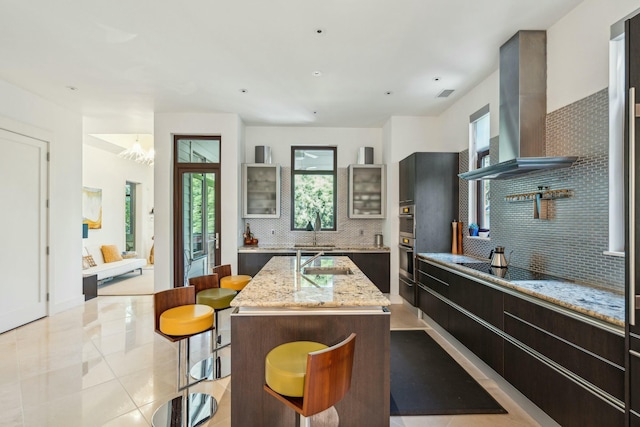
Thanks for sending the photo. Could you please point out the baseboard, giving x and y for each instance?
(65, 305)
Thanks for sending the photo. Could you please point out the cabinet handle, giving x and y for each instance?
(632, 205)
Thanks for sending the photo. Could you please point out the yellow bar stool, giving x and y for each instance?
(178, 318)
(228, 280)
(310, 377)
(209, 293)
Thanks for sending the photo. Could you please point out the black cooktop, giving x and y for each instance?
(510, 273)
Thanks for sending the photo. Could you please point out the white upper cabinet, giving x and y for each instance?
(367, 191)
(260, 190)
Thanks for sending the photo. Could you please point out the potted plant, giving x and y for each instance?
(473, 229)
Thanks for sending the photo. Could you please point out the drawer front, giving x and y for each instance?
(407, 290)
(591, 338)
(434, 271)
(432, 282)
(598, 372)
(480, 300)
(433, 307)
(565, 401)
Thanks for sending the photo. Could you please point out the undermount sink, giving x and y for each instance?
(327, 270)
(306, 246)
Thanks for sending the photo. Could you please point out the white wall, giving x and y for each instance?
(578, 50)
(65, 185)
(229, 127)
(105, 170)
(280, 139)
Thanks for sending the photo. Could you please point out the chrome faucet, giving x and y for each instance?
(298, 254)
(316, 228)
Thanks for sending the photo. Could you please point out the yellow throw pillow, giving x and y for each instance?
(110, 253)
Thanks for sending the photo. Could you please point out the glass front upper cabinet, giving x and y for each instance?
(367, 191)
(260, 190)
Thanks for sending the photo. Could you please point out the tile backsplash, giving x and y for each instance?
(350, 232)
(571, 242)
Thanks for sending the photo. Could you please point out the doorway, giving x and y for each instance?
(23, 222)
(196, 192)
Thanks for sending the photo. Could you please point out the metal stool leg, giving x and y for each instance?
(217, 366)
(188, 409)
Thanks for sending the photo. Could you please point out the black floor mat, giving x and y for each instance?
(425, 380)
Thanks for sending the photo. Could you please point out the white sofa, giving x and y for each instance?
(109, 270)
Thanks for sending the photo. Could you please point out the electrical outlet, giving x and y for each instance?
(362, 232)
(273, 231)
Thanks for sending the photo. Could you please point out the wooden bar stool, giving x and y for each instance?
(309, 377)
(177, 318)
(209, 293)
(228, 280)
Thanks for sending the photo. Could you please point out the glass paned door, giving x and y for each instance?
(130, 216)
(199, 229)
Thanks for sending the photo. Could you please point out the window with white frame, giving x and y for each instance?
(479, 191)
(617, 94)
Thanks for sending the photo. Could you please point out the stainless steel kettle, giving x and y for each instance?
(498, 259)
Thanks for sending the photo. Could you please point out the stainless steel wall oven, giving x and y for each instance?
(406, 250)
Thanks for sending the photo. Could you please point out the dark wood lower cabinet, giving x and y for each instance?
(561, 398)
(376, 267)
(433, 306)
(367, 403)
(574, 370)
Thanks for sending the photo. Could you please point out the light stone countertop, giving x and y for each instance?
(310, 248)
(278, 284)
(599, 303)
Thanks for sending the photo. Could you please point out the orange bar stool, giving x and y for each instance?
(178, 318)
(209, 293)
(309, 377)
(228, 280)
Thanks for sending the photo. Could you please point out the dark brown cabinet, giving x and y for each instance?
(571, 368)
(375, 265)
(407, 169)
(632, 243)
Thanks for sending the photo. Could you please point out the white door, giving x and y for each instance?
(23, 229)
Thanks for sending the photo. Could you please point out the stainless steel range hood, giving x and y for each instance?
(523, 108)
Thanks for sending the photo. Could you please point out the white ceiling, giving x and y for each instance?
(136, 57)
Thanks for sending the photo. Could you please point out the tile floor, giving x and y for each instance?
(102, 365)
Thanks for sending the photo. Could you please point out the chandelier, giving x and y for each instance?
(138, 154)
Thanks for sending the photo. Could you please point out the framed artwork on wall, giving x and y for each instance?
(92, 207)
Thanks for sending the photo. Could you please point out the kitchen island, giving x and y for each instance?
(282, 305)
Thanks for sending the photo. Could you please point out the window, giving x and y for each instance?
(479, 191)
(130, 216)
(313, 186)
(617, 94)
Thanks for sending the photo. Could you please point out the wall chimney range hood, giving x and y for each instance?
(523, 108)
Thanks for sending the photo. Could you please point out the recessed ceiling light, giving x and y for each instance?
(316, 73)
(319, 31)
(244, 90)
(72, 88)
(436, 79)
(388, 92)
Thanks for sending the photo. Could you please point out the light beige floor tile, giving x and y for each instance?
(8, 337)
(419, 421)
(151, 383)
(130, 419)
(125, 341)
(51, 385)
(10, 405)
(9, 368)
(127, 362)
(92, 407)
